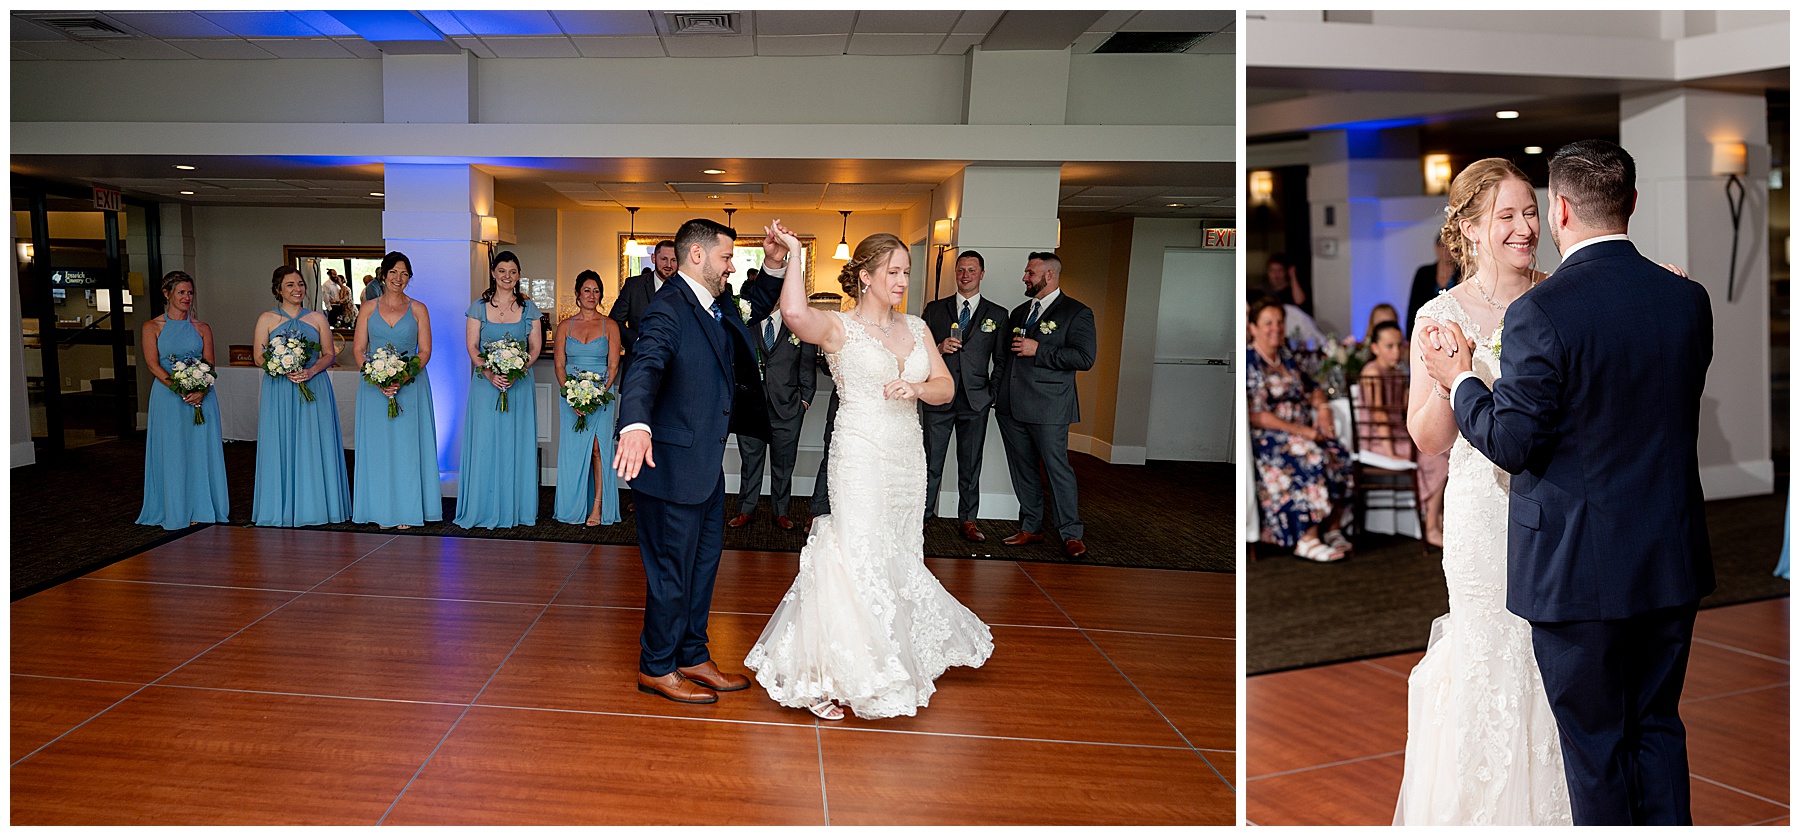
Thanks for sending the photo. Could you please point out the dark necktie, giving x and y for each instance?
(962, 322)
(769, 334)
(1035, 310)
(718, 315)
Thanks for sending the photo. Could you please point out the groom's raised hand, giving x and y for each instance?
(1447, 352)
(634, 453)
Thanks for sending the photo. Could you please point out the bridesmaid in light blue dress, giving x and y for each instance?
(184, 462)
(300, 476)
(396, 458)
(587, 341)
(499, 482)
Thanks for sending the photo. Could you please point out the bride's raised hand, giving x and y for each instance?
(773, 247)
(787, 236)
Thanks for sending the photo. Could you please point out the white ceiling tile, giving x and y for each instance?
(1231, 28)
(605, 22)
(474, 45)
(1111, 21)
(976, 23)
(326, 24)
(142, 49)
(21, 55)
(801, 44)
(813, 22)
(262, 24)
(302, 47)
(1126, 192)
(485, 24)
(65, 51)
(914, 22)
(170, 24)
(1218, 43)
(217, 48)
(358, 47)
(710, 46)
(796, 190)
(1089, 41)
(446, 23)
(958, 44)
(628, 47)
(532, 47)
(1067, 192)
(861, 44)
(1157, 20)
(26, 29)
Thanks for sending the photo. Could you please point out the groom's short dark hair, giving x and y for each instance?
(1598, 179)
(703, 232)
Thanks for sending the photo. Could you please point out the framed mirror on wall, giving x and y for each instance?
(636, 254)
(338, 279)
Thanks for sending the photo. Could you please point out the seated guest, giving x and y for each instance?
(1383, 312)
(1302, 471)
(1434, 471)
(1281, 279)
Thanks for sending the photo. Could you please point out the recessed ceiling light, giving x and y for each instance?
(713, 171)
(1534, 149)
(185, 167)
(1176, 205)
(714, 197)
(1506, 114)
(185, 192)
(378, 194)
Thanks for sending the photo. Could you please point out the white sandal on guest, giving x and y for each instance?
(1335, 539)
(1316, 551)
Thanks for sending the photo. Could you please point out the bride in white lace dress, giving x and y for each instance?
(865, 625)
(1481, 744)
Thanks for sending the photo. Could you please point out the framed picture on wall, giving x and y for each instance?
(338, 279)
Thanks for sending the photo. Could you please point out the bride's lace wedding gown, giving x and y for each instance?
(1481, 743)
(865, 623)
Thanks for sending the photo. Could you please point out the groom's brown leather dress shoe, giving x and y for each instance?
(708, 674)
(674, 686)
(738, 521)
(972, 534)
(1023, 538)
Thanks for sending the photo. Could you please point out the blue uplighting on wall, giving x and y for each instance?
(1372, 124)
(380, 26)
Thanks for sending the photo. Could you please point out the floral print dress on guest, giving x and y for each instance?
(1297, 481)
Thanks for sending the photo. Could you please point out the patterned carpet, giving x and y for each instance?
(77, 515)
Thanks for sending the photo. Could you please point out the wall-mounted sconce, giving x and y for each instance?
(1262, 188)
(843, 248)
(1731, 160)
(26, 253)
(943, 232)
(1059, 233)
(1437, 173)
(490, 229)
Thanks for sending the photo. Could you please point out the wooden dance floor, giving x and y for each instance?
(264, 676)
(1326, 744)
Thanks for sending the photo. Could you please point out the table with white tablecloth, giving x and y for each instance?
(239, 389)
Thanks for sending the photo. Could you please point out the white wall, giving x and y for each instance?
(280, 90)
(238, 248)
(1150, 238)
(1110, 89)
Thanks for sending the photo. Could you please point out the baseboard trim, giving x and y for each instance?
(23, 453)
(1106, 450)
(1725, 481)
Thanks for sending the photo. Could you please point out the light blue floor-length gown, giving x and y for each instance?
(396, 480)
(184, 462)
(575, 450)
(300, 475)
(498, 487)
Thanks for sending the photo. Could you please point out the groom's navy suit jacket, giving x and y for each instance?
(694, 381)
(1596, 413)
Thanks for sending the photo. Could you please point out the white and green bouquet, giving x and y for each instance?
(506, 358)
(388, 366)
(188, 375)
(289, 353)
(586, 391)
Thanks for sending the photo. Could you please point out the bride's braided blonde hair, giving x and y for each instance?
(1472, 194)
(870, 256)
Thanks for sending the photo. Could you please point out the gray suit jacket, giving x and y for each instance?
(977, 363)
(790, 371)
(1041, 389)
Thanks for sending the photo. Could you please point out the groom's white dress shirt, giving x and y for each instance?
(1573, 249)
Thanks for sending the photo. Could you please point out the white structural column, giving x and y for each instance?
(1352, 171)
(1682, 218)
(434, 215)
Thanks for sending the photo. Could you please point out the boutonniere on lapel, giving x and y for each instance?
(793, 340)
(987, 326)
(1046, 327)
(743, 309)
(1497, 328)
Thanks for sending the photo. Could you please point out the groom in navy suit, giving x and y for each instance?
(1596, 413)
(692, 382)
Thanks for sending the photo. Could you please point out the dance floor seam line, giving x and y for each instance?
(1736, 649)
(1318, 766)
(1737, 693)
(1738, 790)
(476, 698)
(824, 791)
(1385, 669)
(1142, 633)
(849, 729)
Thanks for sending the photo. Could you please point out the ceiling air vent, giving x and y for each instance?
(1142, 42)
(85, 28)
(702, 23)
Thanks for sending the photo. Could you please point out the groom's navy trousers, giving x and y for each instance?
(1597, 413)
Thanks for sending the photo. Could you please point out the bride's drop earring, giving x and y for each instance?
(1475, 248)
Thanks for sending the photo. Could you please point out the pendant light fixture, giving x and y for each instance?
(631, 237)
(843, 247)
(729, 211)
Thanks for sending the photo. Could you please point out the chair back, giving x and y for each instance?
(1378, 416)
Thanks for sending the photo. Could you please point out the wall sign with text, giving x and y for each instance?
(1220, 238)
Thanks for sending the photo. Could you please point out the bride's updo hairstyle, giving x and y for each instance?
(1472, 195)
(871, 255)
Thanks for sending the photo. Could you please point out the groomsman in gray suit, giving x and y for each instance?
(1051, 338)
(972, 334)
(789, 378)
